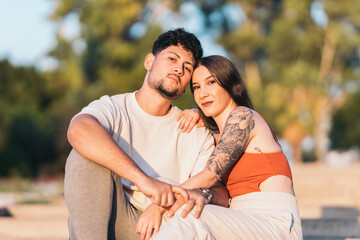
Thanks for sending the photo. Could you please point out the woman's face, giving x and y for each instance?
(209, 95)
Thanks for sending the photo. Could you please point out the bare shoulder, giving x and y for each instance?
(242, 117)
(241, 113)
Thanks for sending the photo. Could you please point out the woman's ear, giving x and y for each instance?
(149, 59)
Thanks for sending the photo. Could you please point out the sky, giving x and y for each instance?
(27, 34)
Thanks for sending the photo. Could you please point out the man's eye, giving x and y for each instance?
(188, 69)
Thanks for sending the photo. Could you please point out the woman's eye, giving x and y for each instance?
(172, 59)
(211, 82)
(195, 87)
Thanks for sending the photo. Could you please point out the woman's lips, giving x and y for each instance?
(206, 104)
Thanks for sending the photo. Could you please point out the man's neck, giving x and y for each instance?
(152, 102)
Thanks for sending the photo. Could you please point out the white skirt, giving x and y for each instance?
(257, 215)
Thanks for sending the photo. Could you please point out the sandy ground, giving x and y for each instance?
(322, 192)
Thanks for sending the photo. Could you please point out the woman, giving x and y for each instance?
(249, 160)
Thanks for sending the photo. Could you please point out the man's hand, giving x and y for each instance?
(196, 200)
(161, 193)
(149, 222)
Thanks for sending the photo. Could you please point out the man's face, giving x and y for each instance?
(170, 71)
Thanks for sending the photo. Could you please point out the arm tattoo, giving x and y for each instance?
(233, 140)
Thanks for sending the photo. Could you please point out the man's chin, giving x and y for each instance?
(169, 95)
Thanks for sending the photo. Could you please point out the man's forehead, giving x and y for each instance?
(181, 53)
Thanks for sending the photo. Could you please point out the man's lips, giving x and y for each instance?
(206, 104)
(174, 77)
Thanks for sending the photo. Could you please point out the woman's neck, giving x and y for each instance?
(223, 116)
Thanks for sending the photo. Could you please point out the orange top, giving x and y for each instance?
(252, 169)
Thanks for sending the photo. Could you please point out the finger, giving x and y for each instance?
(191, 125)
(184, 129)
(148, 233)
(156, 228)
(198, 208)
(138, 227)
(181, 191)
(170, 199)
(143, 233)
(178, 203)
(164, 200)
(183, 122)
(180, 116)
(189, 206)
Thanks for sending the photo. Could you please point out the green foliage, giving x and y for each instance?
(345, 132)
(26, 140)
(288, 61)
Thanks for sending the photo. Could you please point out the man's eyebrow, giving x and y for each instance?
(179, 57)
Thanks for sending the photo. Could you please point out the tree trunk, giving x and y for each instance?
(323, 107)
(293, 134)
(253, 79)
(322, 128)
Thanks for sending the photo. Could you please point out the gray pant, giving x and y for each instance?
(96, 202)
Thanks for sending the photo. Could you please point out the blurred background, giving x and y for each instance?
(300, 61)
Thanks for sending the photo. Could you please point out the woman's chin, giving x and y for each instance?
(207, 114)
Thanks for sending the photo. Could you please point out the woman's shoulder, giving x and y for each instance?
(248, 114)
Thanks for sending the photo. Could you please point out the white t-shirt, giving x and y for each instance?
(154, 143)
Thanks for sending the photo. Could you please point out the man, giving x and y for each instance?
(124, 143)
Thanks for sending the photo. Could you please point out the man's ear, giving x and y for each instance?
(149, 59)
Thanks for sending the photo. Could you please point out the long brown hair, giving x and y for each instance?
(228, 77)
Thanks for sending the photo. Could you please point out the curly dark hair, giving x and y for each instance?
(180, 37)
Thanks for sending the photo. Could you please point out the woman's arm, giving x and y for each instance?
(232, 144)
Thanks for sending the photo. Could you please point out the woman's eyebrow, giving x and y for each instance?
(209, 77)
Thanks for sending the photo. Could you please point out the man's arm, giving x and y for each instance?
(88, 137)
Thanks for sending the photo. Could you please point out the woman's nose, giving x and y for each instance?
(203, 92)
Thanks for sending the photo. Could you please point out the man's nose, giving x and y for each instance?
(179, 69)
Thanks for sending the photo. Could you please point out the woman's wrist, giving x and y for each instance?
(206, 193)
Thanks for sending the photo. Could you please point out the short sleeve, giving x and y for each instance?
(106, 111)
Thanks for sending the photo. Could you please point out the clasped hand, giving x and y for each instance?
(150, 220)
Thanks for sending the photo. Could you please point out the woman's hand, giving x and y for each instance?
(149, 222)
(188, 119)
(196, 200)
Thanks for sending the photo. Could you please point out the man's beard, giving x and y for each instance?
(166, 93)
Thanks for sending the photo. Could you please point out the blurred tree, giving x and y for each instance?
(345, 131)
(115, 38)
(297, 57)
(25, 100)
(312, 61)
(113, 60)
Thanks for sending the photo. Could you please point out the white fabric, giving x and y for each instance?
(258, 215)
(155, 143)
